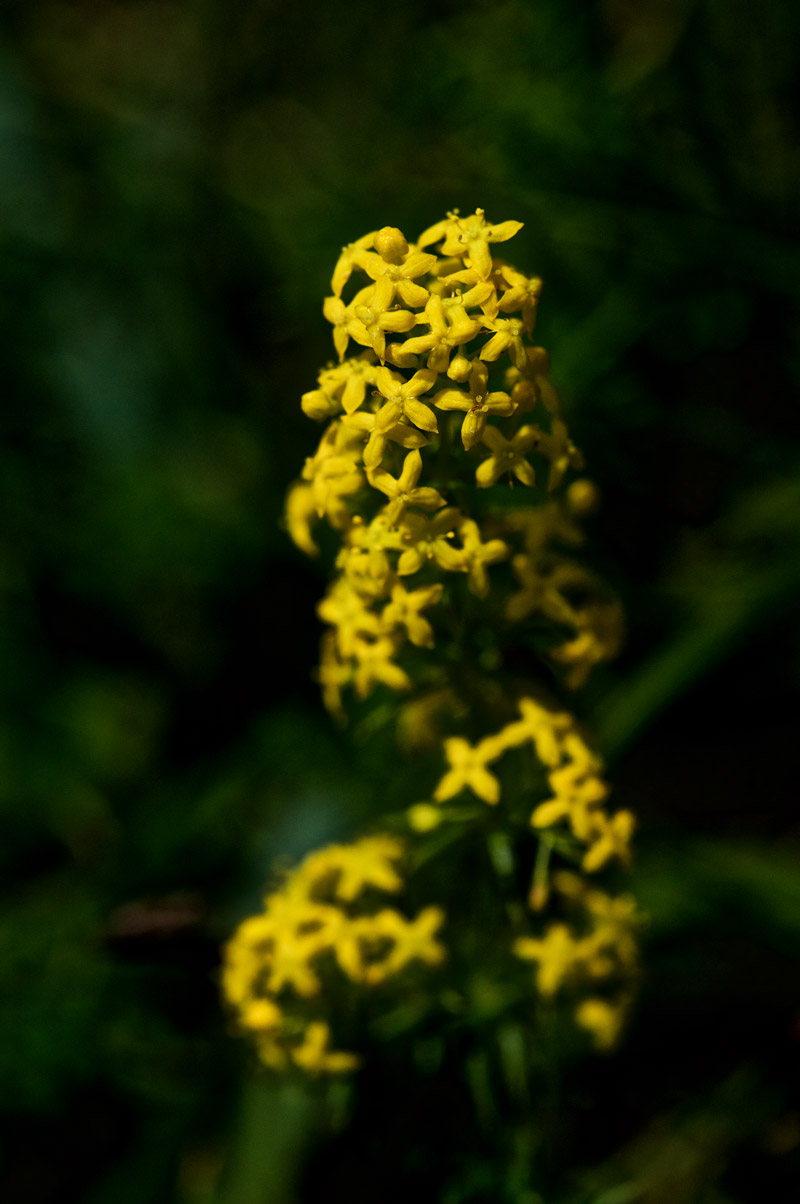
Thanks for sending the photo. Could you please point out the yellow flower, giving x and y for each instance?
(577, 793)
(378, 440)
(365, 553)
(301, 509)
(344, 609)
(540, 591)
(602, 1019)
(401, 399)
(477, 405)
(315, 1056)
(391, 244)
(319, 405)
(478, 555)
(374, 317)
(346, 262)
(599, 625)
(610, 838)
(559, 954)
(429, 540)
(448, 329)
(507, 456)
(507, 337)
(335, 311)
(262, 1015)
(349, 381)
(374, 666)
(404, 609)
(522, 294)
(401, 270)
(470, 237)
(541, 727)
(411, 940)
(352, 868)
(559, 449)
(403, 491)
(468, 770)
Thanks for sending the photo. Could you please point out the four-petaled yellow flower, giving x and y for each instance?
(405, 608)
(449, 328)
(403, 491)
(508, 455)
(410, 941)
(477, 404)
(469, 238)
(478, 555)
(373, 317)
(401, 399)
(429, 539)
(558, 953)
(468, 770)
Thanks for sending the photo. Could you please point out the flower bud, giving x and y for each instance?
(318, 405)
(390, 243)
(460, 368)
(583, 497)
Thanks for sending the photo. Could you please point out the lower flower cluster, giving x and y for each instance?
(324, 924)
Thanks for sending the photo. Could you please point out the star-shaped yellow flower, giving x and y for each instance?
(558, 953)
(522, 294)
(479, 555)
(507, 337)
(468, 770)
(374, 317)
(611, 838)
(404, 491)
(411, 940)
(449, 327)
(374, 666)
(401, 397)
(346, 262)
(469, 237)
(562, 453)
(315, 1056)
(405, 608)
(477, 404)
(508, 455)
(429, 539)
(402, 273)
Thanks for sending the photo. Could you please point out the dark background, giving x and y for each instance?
(176, 180)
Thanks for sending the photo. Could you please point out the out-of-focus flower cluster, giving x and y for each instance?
(324, 925)
(444, 468)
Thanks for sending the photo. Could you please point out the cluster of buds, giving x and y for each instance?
(447, 472)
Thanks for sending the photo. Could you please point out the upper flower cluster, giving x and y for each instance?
(445, 396)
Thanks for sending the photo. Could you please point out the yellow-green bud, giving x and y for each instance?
(390, 243)
(583, 497)
(318, 405)
(460, 368)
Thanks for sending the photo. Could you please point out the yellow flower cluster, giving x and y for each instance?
(325, 921)
(441, 469)
(573, 771)
(599, 950)
(438, 398)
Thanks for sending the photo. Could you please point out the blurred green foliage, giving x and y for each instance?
(178, 176)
